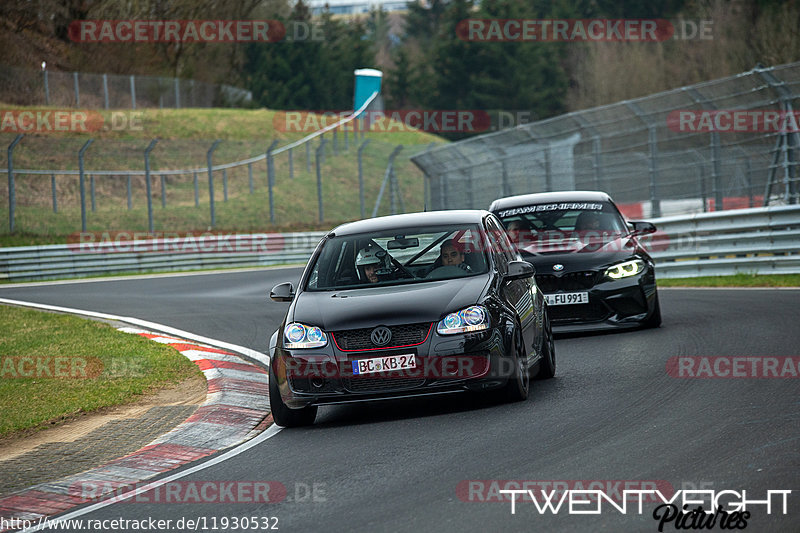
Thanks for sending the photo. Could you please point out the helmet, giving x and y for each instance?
(370, 255)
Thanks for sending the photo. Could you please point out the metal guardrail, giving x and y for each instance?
(758, 240)
(57, 261)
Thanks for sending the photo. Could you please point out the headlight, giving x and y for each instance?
(473, 318)
(297, 335)
(626, 269)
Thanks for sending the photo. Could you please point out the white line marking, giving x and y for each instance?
(256, 355)
(268, 433)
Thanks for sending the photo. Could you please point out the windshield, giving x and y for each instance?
(541, 225)
(393, 257)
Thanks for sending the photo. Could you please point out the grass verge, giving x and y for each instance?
(56, 366)
(737, 280)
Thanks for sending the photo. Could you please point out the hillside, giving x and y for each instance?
(185, 137)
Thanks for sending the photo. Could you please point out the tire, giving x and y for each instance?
(281, 414)
(547, 366)
(654, 320)
(519, 383)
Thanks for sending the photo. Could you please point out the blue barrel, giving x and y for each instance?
(368, 81)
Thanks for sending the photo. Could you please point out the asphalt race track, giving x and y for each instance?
(611, 413)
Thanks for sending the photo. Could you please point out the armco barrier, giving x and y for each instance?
(758, 240)
(55, 261)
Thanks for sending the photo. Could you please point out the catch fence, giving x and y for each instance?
(722, 144)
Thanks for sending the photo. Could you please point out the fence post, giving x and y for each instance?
(133, 92)
(361, 177)
(196, 191)
(319, 154)
(397, 191)
(505, 189)
(596, 163)
(77, 90)
(470, 192)
(250, 176)
(716, 172)
(46, 88)
(147, 184)
(105, 91)
(163, 191)
(224, 184)
(271, 180)
(53, 189)
(12, 199)
(211, 179)
(91, 189)
(177, 93)
(336, 141)
(548, 177)
(291, 164)
(386, 177)
(655, 203)
(82, 182)
(130, 195)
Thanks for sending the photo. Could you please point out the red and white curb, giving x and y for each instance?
(236, 409)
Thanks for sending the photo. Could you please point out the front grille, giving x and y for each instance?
(381, 384)
(571, 281)
(591, 312)
(359, 339)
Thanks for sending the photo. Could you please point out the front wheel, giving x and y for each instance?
(547, 366)
(518, 386)
(281, 414)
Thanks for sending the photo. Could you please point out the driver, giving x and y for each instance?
(519, 230)
(452, 254)
(368, 262)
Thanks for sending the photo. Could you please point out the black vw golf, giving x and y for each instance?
(408, 305)
(589, 262)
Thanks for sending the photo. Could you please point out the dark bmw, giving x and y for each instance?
(589, 262)
(409, 305)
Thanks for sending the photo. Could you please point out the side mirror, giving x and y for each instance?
(641, 227)
(519, 270)
(283, 292)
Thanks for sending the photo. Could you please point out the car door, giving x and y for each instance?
(519, 293)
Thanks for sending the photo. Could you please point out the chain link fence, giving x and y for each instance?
(61, 186)
(31, 87)
(722, 144)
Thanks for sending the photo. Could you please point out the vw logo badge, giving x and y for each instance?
(558, 267)
(381, 336)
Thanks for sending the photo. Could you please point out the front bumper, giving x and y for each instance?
(613, 304)
(452, 363)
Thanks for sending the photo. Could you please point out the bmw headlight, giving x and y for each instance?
(472, 318)
(297, 335)
(626, 269)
